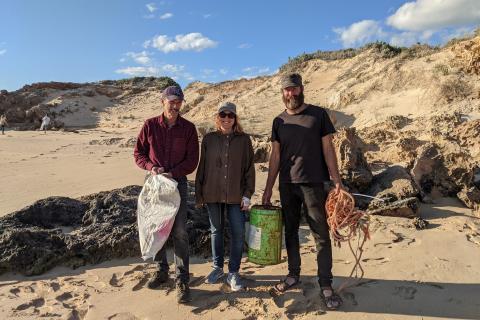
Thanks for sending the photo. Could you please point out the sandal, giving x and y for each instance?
(332, 300)
(287, 283)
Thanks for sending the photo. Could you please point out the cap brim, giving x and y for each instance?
(228, 110)
(290, 84)
(170, 98)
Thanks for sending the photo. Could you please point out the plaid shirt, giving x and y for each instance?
(175, 149)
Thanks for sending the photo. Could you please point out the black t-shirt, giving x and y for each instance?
(300, 137)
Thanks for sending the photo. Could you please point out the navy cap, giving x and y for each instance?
(173, 93)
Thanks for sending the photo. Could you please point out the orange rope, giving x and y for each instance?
(345, 221)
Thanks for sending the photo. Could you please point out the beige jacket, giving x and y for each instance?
(226, 172)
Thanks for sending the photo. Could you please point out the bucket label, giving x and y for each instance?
(254, 237)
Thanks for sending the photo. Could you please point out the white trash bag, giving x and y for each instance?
(157, 207)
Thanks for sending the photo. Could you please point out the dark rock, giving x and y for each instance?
(354, 169)
(420, 223)
(92, 229)
(470, 197)
(447, 172)
(407, 208)
(261, 148)
(394, 183)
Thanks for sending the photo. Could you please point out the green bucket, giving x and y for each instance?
(265, 235)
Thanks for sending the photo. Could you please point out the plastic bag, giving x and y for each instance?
(157, 207)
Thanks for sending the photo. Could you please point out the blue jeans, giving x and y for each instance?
(180, 240)
(236, 218)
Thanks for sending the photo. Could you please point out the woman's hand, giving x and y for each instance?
(245, 204)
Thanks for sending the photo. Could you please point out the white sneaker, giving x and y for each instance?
(235, 282)
(214, 276)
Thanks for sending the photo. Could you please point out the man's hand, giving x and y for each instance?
(157, 170)
(167, 174)
(339, 186)
(267, 194)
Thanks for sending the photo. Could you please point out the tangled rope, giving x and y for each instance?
(345, 222)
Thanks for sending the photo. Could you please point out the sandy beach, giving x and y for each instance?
(409, 274)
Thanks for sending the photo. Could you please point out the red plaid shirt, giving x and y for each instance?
(175, 148)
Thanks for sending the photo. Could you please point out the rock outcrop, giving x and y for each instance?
(353, 166)
(88, 230)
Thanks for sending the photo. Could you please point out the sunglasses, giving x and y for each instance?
(224, 114)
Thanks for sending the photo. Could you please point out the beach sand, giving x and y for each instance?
(409, 273)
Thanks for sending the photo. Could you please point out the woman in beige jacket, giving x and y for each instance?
(225, 182)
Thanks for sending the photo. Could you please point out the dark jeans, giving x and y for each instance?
(3, 129)
(180, 240)
(312, 196)
(236, 219)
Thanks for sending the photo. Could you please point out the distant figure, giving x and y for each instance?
(3, 123)
(45, 123)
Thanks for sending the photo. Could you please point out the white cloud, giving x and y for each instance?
(139, 71)
(140, 57)
(458, 33)
(2, 52)
(167, 15)
(252, 72)
(188, 42)
(149, 16)
(173, 68)
(249, 69)
(207, 15)
(423, 15)
(404, 39)
(244, 46)
(360, 33)
(223, 71)
(151, 7)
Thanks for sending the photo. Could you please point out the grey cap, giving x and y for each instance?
(227, 106)
(291, 80)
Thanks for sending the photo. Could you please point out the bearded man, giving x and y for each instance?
(303, 154)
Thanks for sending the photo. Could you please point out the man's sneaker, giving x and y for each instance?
(214, 276)
(159, 278)
(183, 292)
(235, 282)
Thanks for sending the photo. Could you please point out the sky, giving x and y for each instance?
(205, 40)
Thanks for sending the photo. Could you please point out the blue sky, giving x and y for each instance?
(91, 40)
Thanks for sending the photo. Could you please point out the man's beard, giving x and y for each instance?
(294, 102)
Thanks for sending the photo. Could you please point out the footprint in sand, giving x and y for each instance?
(35, 303)
(349, 296)
(123, 316)
(407, 293)
(136, 275)
(474, 238)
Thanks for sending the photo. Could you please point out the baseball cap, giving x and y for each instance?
(173, 93)
(227, 106)
(291, 80)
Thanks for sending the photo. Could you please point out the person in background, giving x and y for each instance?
(3, 122)
(45, 123)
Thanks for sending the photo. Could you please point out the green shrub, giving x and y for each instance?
(441, 69)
